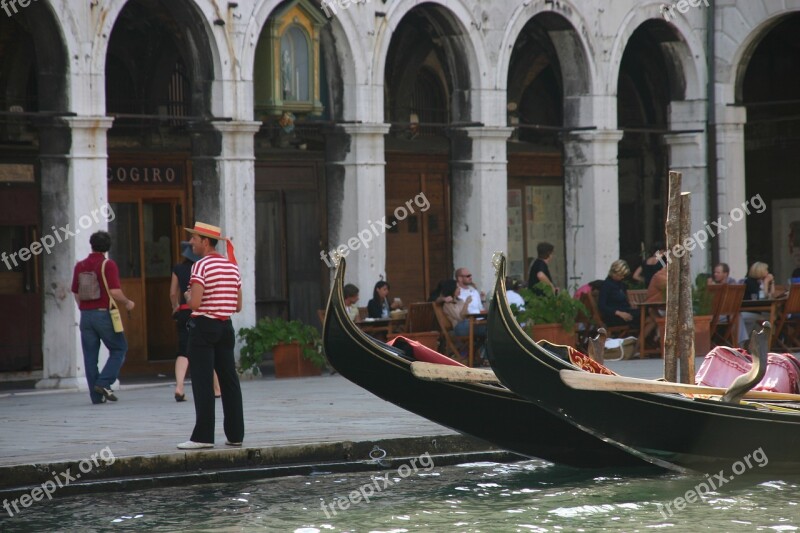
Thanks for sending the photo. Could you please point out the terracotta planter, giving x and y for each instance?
(290, 363)
(702, 334)
(553, 333)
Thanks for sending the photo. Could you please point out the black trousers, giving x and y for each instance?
(211, 345)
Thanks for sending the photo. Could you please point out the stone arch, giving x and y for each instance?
(467, 62)
(683, 52)
(52, 59)
(204, 54)
(755, 31)
(568, 30)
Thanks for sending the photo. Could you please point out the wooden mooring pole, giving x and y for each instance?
(679, 331)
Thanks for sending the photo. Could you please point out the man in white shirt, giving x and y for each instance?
(464, 280)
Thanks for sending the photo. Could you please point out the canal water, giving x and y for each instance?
(530, 496)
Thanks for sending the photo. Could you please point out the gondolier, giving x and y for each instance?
(215, 293)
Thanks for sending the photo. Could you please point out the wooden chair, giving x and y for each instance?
(788, 323)
(613, 332)
(725, 322)
(452, 343)
(421, 317)
(637, 297)
(421, 325)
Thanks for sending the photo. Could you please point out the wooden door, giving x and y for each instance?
(419, 247)
(291, 279)
(20, 281)
(145, 235)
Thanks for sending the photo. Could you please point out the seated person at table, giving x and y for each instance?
(350, 300)
(721, 274)
(644, 273)
(613, 301)
(379, 306)
(464, 281)
(456, 311)
(514, 298)
(758, 281)
(540, 269)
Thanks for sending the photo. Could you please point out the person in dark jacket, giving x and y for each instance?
(615, 309)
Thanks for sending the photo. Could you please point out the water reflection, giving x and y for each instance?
(528, 496)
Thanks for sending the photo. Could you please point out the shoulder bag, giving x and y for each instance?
(113, 309)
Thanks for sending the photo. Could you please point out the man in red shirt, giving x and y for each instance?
(96, 323)
(215, 293)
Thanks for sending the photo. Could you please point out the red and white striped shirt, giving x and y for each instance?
(221, 283)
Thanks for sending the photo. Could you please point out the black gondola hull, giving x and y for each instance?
(488, 412)
(671, 430)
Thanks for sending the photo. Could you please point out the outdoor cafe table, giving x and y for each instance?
(381, 325)
(771, 305)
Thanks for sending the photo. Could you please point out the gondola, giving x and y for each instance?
(487, 411)
(671, 430)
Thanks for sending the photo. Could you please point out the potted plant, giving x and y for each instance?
(549, 315)
(296, 347)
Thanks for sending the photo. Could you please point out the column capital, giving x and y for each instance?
(731, 116)
(89, 122)
(489, 133)
(683, 139)
(366, 128)
(594, 136)
(236, 126)
(592, 147)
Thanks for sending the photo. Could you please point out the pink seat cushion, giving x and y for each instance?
(425, 354)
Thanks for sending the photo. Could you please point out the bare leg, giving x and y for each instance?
(181, 365)
(217, 392)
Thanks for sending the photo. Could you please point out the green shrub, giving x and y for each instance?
(270, 332)
(548, 307)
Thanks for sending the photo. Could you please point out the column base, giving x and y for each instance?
(62, 383)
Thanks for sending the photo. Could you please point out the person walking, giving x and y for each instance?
(94, 281)
(215, 293)
(181, 313)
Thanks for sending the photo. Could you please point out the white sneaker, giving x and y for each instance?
(235, 444)
(192, 445)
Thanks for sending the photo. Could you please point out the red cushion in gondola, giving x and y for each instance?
(423, 353)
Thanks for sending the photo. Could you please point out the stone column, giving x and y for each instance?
(237, 212)
(479, 200)
(357, 204)
(687, 154)
(74, 189)
(591, 202)
(731, 187)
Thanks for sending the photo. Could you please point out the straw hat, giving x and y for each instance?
(207, 230)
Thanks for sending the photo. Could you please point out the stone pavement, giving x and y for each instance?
(301, 420)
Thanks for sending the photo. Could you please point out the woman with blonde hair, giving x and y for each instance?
(615, 310)
(759, 284)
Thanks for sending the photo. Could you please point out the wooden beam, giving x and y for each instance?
(673, 275)
(578, 379)
(461, 374)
